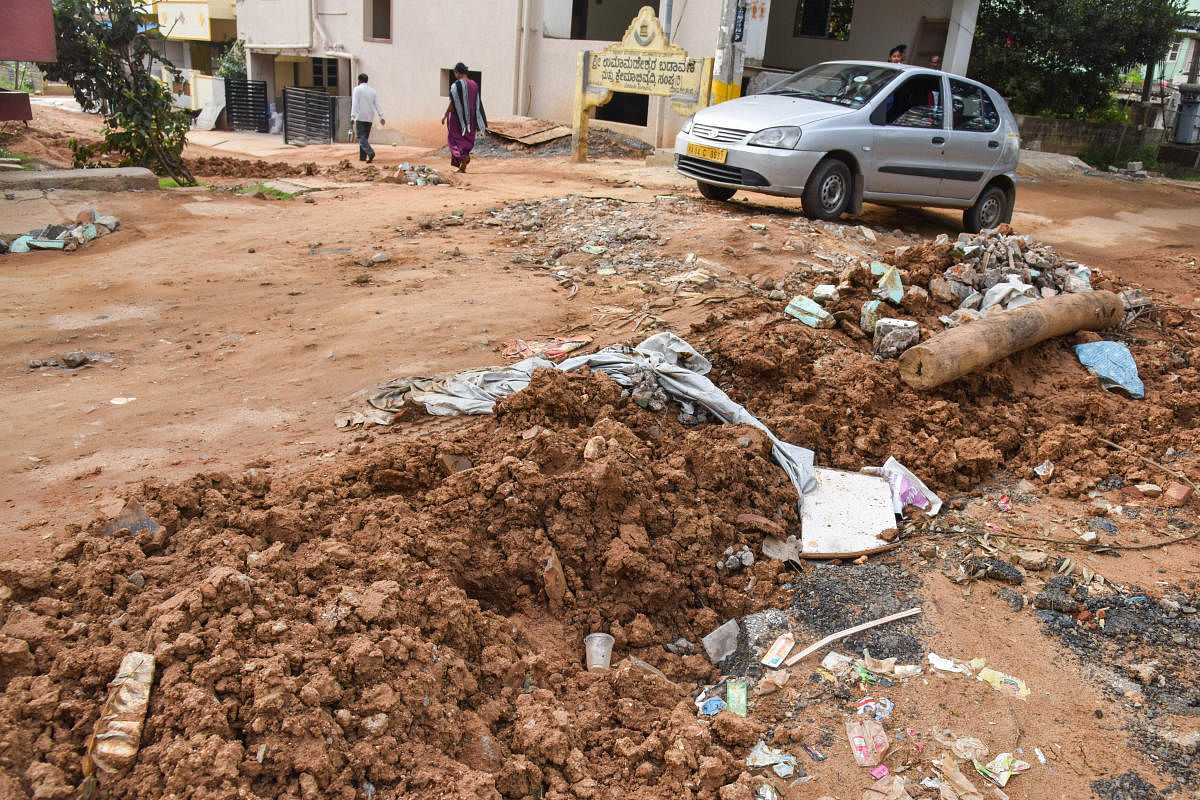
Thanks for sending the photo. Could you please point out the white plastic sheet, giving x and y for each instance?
(680, 371)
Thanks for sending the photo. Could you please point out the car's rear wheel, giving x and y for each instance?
(827, 193)
(715, 192)
(989, 210)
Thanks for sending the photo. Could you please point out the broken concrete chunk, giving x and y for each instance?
(825, 293)
(894, 336)
(872, 312)
(809, 312)
(1177, 495)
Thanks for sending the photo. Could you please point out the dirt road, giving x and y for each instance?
(231, 330)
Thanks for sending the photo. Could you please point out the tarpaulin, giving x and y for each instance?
(679, 369)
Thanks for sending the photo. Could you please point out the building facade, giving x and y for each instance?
(523, 53)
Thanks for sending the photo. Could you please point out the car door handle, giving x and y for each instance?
(939, 140)
(993, 144)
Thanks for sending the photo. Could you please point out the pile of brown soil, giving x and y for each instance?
(386, 625)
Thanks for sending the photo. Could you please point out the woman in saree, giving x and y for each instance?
(464, 117)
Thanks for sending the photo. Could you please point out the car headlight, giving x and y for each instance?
(687, 124)
(785, 138)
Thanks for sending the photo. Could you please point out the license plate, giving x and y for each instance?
(707, 153)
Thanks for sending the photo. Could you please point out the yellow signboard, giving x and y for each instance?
(643, 62)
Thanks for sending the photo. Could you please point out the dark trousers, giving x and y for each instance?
(363, 131)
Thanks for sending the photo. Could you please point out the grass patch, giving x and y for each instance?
(266, 191)
(168, 183)
(26, 161)
(1103, 156)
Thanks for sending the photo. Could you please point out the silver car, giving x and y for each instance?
(842, 132)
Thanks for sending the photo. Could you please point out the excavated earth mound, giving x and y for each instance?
(387, 625)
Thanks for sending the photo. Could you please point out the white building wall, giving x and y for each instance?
(876, 27)
(527, 67)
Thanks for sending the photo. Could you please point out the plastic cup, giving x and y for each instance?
(598, 647)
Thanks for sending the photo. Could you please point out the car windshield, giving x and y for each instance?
(851, 85)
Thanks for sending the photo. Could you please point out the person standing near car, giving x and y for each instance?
(364, 105)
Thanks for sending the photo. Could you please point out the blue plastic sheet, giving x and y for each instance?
(1113, 364)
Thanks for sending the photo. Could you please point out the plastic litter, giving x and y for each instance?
(1001, 768)
(766, 791)
(598, 650)
(1041, 757)
(959, 784)
(712, 706)
(117, 733)
(735, 697)
(1045, 469)
(679, 369)
(721, 643)
(837, 663)
(772, 681)
(868, 741)
(880, 708)
(781, 763)
(947, 664)
(907, 488)
(1015, 687)
(962, 746)
(881, 771)
(888, 787)
(1012, 293)
(814, 752)
(779, 651)
(1113, 364)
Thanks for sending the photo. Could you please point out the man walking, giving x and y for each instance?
(364, 105)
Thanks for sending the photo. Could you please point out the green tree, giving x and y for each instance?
(1065, 57)
(232, 62)
(105, 56)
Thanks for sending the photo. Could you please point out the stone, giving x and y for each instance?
(1177, 495)
(137, 579)
(1056, 600)
(1143, 673)
(1014, 599)
(451, 463)
(996, 569)
(735, 731)
(872, 312)
(1033, 560)
(809, 312)
(894, 336)
(594, 448)
(380, 258)
(1089, 537)
(73, 359)
(939, 289)
(825, 294)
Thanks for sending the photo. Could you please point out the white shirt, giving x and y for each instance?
(364, 104)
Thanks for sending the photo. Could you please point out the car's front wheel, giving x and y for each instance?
(715, 192)
(827, 193)
(989, 210)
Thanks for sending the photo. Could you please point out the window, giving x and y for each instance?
(1173, 53)
(377, 20)
(325, 73)
(850, 85)
(973, 109)
(602, 20)
(917, 103)
(824, 19)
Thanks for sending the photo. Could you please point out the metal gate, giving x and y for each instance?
(308, 117)
(246, 105)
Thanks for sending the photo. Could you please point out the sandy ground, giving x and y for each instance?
(235, 328)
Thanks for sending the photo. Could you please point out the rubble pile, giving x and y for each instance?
(88, 225)
(391, 627)
(418, 175)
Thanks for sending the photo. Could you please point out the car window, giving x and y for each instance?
(916, 103)
(851, 85)
(973, 109)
